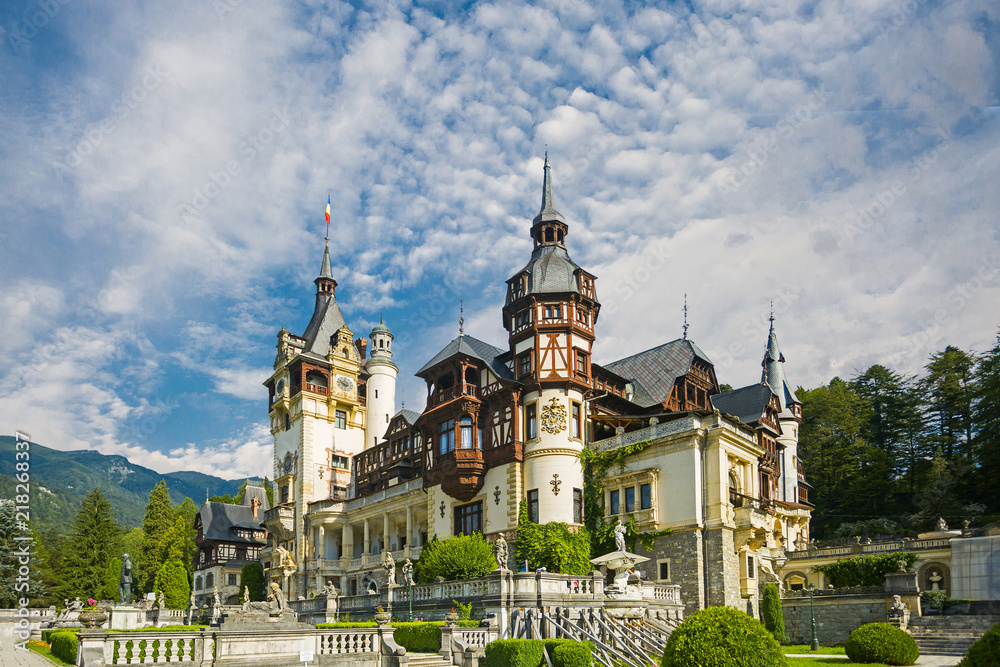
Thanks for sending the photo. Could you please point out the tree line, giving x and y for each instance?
(888, 454)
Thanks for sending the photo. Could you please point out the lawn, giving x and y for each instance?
(827, 662)
(43, 649)
(804, 648)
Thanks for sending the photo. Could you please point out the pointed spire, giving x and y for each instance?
(324, 270)
(773, 373)
(685, 315)
(548, 211)
(461, 317)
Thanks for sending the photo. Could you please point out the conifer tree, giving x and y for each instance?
(157, 521)
(949, 394)
(112, 579)
(92, 546)
(252, 578)
(188, 511)
(172, 579)
(987, 418)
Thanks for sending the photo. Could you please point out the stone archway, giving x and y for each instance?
(934, 572)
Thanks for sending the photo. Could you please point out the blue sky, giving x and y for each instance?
(165, 168)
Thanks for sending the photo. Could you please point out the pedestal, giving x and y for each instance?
(126, 617)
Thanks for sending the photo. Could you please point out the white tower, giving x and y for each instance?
(789, 418)
(381, 384)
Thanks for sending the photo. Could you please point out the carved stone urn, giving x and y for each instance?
(383, 617)
(92, 618)
(450, 617)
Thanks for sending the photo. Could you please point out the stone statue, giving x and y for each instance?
(246, 594)
(408, 573)
(330, 591)
(192, 603)
(901, 564)
(620, 535)
(285, 561)
(500, 546)
(159, 601)
(75, 605)
(935, 578)
(279, 598)
(941, 525)
(390, 568)
(125, 581)
(899, 608)
(216, 602)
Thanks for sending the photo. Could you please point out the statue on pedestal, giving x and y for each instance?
(390, 568)
(935, 578)
(500, 548)
(160, 602)
(408, 573)
(125, 581)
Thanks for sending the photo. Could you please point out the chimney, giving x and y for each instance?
(362, 345)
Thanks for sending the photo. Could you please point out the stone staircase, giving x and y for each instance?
(949, 635)
(427, 660)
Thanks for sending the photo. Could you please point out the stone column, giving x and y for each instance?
(367, 542)
(385, 532)
(347, 541)
(410, 541)
(321, 550)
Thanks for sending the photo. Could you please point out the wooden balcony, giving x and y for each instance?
(450, 394)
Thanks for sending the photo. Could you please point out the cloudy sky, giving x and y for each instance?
(165, 168)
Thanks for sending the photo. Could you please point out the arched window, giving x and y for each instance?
(734, 491)
(466, 440)
(209, 580)
(548, 234)
(197, 583)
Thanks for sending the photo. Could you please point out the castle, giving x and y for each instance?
(355, 477)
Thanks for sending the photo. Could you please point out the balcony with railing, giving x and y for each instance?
(443, 396)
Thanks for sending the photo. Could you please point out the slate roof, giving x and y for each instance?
(746, 403)
(218, 519)
(550, 270)
(654, 372)
(410, 416)
(773, 373)
(326, 319)
(474, 348)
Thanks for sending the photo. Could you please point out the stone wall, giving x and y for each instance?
(724, 573)
(837, 616)
(683, 550)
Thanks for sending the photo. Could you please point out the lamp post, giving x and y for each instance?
(409, 589)
(812, 613)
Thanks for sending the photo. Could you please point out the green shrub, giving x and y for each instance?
(552, 546)
(514, 653)
(167, 628)
(722, 637)
(571, 653)
(418, 637)
(864, 570)
(172, 579)
(881, 642)
(112, 575)
(64, 645)
(985, 652)
(771, 614)
(346, 624)
(459, 557)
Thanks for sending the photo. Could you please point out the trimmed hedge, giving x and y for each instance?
(514, 653)
(166, 628)
(881, 642)
(354, 624)
(722, 637)
(864, 570)
(418, 637)
(63, 645)
(985, 652)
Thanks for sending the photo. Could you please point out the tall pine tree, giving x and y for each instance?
(91, 547)
(987, 417)
(949, 391)
(157, 521)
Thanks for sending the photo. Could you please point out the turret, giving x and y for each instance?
(381, 384)
(773, 375)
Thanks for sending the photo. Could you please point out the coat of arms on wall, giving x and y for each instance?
(554, 417)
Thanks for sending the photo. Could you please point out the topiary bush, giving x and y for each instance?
(514, 653)
(881, 642)
(771, 614)
(573, 654)
(459, 557)
(63, 646)
(418, 637)
(722, 637)
(985, 652)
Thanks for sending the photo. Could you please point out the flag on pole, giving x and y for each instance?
(328, 210)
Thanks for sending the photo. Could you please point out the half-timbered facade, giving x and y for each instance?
(505, 424)
(227, 538)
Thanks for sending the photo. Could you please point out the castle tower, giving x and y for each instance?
(550, 313)
(316, 418)
(790, 417)
(381, 384)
